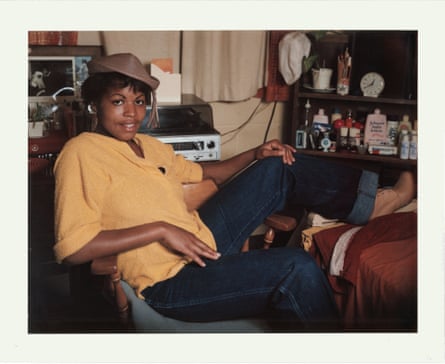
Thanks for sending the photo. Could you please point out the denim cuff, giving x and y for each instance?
(364, 204)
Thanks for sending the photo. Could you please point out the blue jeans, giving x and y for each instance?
(285, 282)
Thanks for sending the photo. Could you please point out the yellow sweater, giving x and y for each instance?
(101, 185)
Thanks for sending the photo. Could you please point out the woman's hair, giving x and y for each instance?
(96, 85)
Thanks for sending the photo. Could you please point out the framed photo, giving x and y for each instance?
(56, 77)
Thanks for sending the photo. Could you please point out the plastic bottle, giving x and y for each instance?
(375, 128)
(349, 120)
(392, 129)
(336, 115)
(321, 117)
(413, 145)
(405, 124)
(404, 145)
(303, 132)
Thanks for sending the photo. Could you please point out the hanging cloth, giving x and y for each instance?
(223, 65)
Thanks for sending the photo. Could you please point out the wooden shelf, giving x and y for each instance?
(386, 160)
(333, 96)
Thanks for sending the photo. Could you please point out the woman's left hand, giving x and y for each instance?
(275, 148)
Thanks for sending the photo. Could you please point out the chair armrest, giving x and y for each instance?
(107, 266)
(281, 222)
(104, 266)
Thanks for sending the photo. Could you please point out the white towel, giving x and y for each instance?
(339, 253)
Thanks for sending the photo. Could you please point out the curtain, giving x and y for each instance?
(223, 65)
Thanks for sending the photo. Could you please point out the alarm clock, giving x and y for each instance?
(372, 84)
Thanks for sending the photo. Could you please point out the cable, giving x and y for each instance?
(270, 121)
(234, 131)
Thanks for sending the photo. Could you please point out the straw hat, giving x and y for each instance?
(129, 65)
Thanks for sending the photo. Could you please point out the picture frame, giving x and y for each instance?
(49, 76)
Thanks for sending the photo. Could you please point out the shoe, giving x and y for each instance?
(389, 200)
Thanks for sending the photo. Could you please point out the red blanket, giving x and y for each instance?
(397, 226)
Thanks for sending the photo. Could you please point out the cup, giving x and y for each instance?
(321, 78)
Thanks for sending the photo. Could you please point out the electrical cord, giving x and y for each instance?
(240, 127)
(270, 122)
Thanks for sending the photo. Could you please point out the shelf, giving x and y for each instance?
(387, 160)
(334, 96)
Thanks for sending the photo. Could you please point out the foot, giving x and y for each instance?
(389, 200)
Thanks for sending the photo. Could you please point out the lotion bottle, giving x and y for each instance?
(413, 145)
(321, 117)
(375, 128)
(405, 124)
(404, 144)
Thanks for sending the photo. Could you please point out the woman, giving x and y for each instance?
(119, 192)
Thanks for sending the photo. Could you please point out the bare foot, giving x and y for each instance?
(389, 200)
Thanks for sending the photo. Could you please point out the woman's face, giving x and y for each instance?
(121, 112)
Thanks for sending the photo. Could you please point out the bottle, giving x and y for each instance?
(375, 128)
(349, 120)
(336, 115)
(301, 136)
(405, 124)
(404, 144)
(321, 117)
(303, 132)
(392, 129)
(413, 145)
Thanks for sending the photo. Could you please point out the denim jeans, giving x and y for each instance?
(285, 281)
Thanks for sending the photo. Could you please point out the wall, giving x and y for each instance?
(227, 116)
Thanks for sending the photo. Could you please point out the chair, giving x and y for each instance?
(136, 315)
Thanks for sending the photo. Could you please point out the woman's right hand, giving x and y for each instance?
(184, 243)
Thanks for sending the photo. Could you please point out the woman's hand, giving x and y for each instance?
(275, 148)
(185, 243)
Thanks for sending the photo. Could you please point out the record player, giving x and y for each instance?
(188, 127)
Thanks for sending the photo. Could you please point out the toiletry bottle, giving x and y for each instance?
(404, 144)
(336, 115)
(321, 117)
(405, 124)
(392, 129)
(349, 120)
(413, 145)
(375, 128)
(303, 132)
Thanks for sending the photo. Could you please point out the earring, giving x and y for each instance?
(90, 109)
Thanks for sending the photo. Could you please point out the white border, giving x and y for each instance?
(426, 16)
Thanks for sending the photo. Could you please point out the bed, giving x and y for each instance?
(372, 270)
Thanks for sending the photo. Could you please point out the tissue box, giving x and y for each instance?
(169, 90)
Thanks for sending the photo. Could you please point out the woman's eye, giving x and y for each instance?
(117, 102)
(140, 102)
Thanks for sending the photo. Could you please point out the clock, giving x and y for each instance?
(372, 84)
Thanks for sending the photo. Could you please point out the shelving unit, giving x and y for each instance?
(397, 98)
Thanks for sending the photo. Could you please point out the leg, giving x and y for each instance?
(389, 200)
(285, 281)
(264, 188)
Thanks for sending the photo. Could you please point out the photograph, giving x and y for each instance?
(47, 75)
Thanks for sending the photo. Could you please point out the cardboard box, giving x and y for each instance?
(169, 90)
